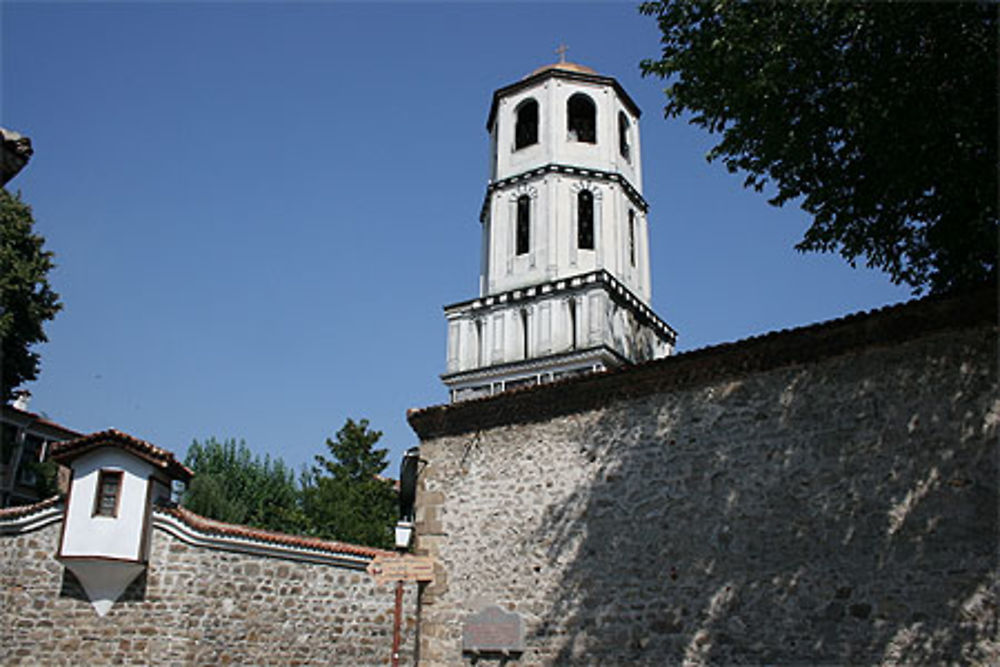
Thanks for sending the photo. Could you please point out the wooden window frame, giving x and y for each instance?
(101, 477)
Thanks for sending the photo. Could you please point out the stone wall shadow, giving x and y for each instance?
(70, 587)
(836, 514)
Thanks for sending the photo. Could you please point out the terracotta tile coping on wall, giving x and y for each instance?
(211, 526)
(24, 510)
(63, 452)
(883, 326)
(23, 519)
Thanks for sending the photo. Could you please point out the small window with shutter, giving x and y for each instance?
(109, 490)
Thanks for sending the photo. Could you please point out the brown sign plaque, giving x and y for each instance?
(401, 568)
(493, 630)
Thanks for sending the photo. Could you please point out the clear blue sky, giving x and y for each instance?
(258, 210)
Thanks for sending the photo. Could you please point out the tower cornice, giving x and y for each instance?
(568, 169)
(545, 362)
(618, 291)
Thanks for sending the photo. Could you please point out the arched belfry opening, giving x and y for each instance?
(581, 118)
(526, 125)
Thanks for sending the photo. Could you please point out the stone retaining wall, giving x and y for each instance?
(196, 605)
(768, 502)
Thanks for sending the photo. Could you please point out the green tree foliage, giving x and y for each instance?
(880, 118)
(46, 477)
(341, 497)
(344, 497)
(231, 484)
(26, 300)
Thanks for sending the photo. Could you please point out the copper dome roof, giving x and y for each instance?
(569, 67)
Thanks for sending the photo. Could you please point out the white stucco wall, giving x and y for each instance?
(553, 250)
(119, 537)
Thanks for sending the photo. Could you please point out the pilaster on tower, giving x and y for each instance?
(565, 280)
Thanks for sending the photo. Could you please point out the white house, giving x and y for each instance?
(115, 481)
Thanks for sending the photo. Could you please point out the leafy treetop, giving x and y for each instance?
(231, 484)
(26, 299)
(341, 498)
(878, 117)
(353, 456)
(344, 496)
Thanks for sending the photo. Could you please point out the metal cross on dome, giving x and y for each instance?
(562, 52)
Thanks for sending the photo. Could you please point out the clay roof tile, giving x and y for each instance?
(216, 527)
(64, 452)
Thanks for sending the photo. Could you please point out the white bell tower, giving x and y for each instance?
(565, 280)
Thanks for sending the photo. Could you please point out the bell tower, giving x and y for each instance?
(564, 282)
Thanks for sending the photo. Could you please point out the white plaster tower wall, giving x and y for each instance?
(621, 236)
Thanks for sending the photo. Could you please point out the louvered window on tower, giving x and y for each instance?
(523, 224)
(526, 128)
(582, 119)
(585, 220)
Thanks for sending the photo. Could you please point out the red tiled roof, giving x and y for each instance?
(207, 525)
(565, 66)
(38, 419)
(394, 482)
(24, 510)
(63, 452)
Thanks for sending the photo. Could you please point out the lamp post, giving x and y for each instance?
(408, 469)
